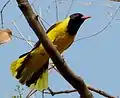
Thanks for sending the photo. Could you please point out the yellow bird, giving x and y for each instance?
(32, 68)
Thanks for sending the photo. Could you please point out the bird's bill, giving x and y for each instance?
(86, 17)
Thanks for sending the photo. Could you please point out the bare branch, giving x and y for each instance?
(71, 91)
(101, 92)
(56, 10)
(76, 81)
(115, 0)
(1, 12)
(21, 34)
(99, 32)
(15, 36)
(69, 8)
(32, 91)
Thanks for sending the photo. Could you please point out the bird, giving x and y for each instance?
(31, 68)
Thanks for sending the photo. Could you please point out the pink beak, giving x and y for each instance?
(85, 17)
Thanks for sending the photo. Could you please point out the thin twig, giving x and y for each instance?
(45, 21)
(32, 4)
(69, 9)
(43, 94)
(56, 10)
(22, 38)
(39, 17)
(31, 93)
(21, 34)
(99, 32)
(42, 24)
(1, 13)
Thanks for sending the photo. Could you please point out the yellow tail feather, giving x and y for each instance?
(40, 84)
(15, 65)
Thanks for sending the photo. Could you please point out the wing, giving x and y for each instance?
(28, 54)
(39, 42)
(69, 45)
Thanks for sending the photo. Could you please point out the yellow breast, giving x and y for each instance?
(60, 37)
(63, 41)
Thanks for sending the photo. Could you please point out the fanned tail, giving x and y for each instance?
(37, 80)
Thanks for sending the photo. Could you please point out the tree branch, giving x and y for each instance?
(100, 92)
(71, 91)
(1, 12)
(65, 71)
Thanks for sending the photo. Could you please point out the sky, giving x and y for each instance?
(95, 59)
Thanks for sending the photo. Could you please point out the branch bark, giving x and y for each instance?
(76, 81)
(101, 92)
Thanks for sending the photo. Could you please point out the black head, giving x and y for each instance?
(75, 22)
